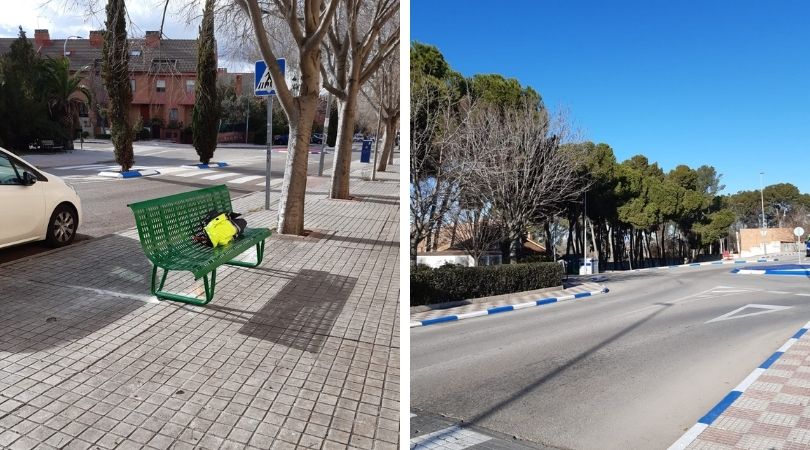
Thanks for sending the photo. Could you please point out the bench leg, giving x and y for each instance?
(158, 291)
(259, 257)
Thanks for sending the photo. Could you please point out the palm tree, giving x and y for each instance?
(64, 93)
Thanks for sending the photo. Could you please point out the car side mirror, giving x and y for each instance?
(28, 179)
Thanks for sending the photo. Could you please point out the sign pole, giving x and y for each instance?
(325, 134)
(269, 151)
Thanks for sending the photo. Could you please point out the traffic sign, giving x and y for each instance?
(263, 83)
(798, 231)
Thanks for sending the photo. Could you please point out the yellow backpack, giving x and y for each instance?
(220, 230)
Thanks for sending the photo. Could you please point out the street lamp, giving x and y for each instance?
(762, 203)
(64, 46)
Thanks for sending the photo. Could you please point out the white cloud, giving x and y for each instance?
(62, 18)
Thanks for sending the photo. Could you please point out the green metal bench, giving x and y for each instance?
(166, 226)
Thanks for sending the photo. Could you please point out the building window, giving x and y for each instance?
(160, 85)
(135, 53)
(190, 85)
(132, 84)
(173, 115)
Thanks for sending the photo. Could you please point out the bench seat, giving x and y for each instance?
(166, 229)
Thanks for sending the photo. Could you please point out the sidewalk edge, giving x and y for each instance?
(505, 308)
(704, 422)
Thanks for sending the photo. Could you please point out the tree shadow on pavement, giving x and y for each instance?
(71, 293)
(517, 396)
(302, 314)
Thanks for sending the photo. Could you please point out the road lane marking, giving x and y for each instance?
(192, 173)
(245, 179)
(219, 175)
(767, 309)
(83, 167)
(451, 438)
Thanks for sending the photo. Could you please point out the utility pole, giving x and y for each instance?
(763, 227)
(269, 151)
(325, 134)
(376, 145)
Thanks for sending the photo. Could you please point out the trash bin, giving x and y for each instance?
(365, 151)
(588, 266)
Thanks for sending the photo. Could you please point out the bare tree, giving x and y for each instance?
(383, 92)
(475, 230)
(429, 184)
(515, 163)
(308, 22)
(359, 41)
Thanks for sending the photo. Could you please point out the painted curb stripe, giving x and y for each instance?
(499, 309)
(439, 320)
(718, 409)
(704, 422)
(504, 308)
(772, 359)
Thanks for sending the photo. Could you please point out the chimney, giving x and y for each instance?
(42, 38)
(97, 38)
(238, 85)
(152, 39)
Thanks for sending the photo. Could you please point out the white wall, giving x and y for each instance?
(440, 260)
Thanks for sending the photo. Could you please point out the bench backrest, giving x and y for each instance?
(172, 220)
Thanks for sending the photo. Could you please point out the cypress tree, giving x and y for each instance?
(115, 71)
(205, 115)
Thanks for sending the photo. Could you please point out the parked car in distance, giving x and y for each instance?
(357, 138)
(36, 205)
(807, 248)
(317, 138)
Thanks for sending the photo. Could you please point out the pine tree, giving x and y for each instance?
(205, 116)
(115, 71)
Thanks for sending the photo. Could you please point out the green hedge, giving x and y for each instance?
(450, 283)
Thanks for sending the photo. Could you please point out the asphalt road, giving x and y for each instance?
(104, 200)
(632, 369)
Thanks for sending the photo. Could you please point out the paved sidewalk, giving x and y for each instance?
(302, 351)
(770, 409)
(521, 298)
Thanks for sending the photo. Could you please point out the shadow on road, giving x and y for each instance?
(559, 370)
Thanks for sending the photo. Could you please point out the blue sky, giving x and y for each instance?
(724, 83)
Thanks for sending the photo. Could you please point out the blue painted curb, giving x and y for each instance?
(212, 165)
(687, 438)
(505, 308)
(131, 174)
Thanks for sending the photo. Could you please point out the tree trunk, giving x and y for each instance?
(414, 245)
(294, 186)
(343, 152)
(388, 144)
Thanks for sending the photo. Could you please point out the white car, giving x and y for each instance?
(35, 205)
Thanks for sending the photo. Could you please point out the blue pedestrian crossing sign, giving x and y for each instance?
(263, 83)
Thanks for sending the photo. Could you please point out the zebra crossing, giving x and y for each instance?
(182, 172)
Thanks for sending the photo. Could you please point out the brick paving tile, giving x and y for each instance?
(301, 351)
(773, 413)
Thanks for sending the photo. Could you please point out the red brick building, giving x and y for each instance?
(163, 78)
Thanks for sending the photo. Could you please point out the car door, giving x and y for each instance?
(22, 208)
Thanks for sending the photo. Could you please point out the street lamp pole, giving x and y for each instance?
(64, 46)
(763, 224)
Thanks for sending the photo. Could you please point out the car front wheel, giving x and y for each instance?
(62, 226)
